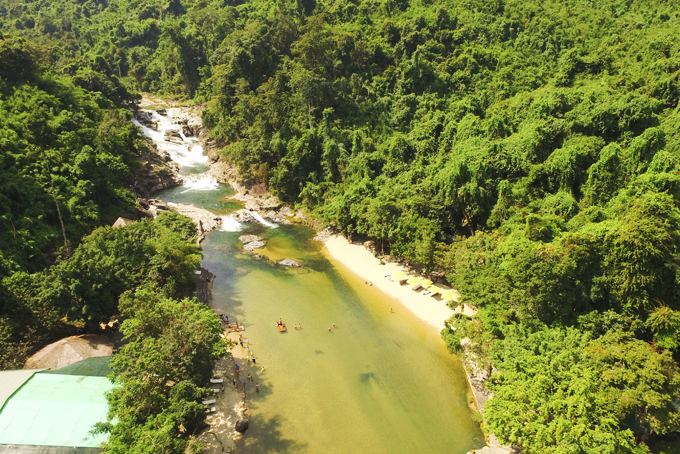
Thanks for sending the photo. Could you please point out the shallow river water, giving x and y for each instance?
(377, 383)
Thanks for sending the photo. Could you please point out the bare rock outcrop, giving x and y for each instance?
(252, 242)
(204, 219)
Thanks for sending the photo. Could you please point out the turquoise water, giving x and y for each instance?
(377, 383)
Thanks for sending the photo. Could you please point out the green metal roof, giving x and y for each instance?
(11, 380)
(55, 410)
(92, 367)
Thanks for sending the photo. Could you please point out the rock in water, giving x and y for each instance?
(252, 242)
(245, 239)
(241, 425)
(254, 245)
(288, 262)
(244, 216)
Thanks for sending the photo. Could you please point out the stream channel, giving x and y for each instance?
(378, 383)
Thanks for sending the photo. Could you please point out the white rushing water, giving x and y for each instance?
(230, 224)
(185, 151)
(263, 221)
(200, 183)
(188, 153)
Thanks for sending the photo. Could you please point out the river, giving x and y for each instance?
(377, 383)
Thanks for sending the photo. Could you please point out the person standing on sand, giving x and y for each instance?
(234, 381)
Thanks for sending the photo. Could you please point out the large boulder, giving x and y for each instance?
(244, 216)
(241, 425)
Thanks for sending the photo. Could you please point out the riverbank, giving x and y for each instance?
(177, 142)
(364, 264)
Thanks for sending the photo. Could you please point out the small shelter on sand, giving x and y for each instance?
(433, 290)
(401, 277)
(70, 350)
(448, 296)
(415, 282)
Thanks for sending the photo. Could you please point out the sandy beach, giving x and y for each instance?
(360, 261)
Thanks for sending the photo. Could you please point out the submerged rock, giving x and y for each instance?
(288, 262)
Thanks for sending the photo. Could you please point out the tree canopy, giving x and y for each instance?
(528, 150)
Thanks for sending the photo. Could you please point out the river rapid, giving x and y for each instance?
(376, 383)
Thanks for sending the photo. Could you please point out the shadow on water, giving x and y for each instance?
(265, 436)
(366, 377)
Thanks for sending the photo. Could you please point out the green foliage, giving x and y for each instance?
(664, 322)
(159, 375)
(54, 133)
(86, 287)
(530, 150)
(559, 391)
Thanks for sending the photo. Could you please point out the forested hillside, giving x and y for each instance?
(531, 150)
(68, 154)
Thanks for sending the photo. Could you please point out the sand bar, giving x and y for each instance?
(360, 261)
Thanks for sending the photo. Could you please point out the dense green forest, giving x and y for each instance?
(530, 150)
(66, 155)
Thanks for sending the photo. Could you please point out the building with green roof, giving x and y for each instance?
(54, 409)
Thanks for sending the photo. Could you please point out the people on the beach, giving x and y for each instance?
(255, 362)
(234, 381)
(237, 366)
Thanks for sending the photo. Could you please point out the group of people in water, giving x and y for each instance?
(296, 326)
(299, 326)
